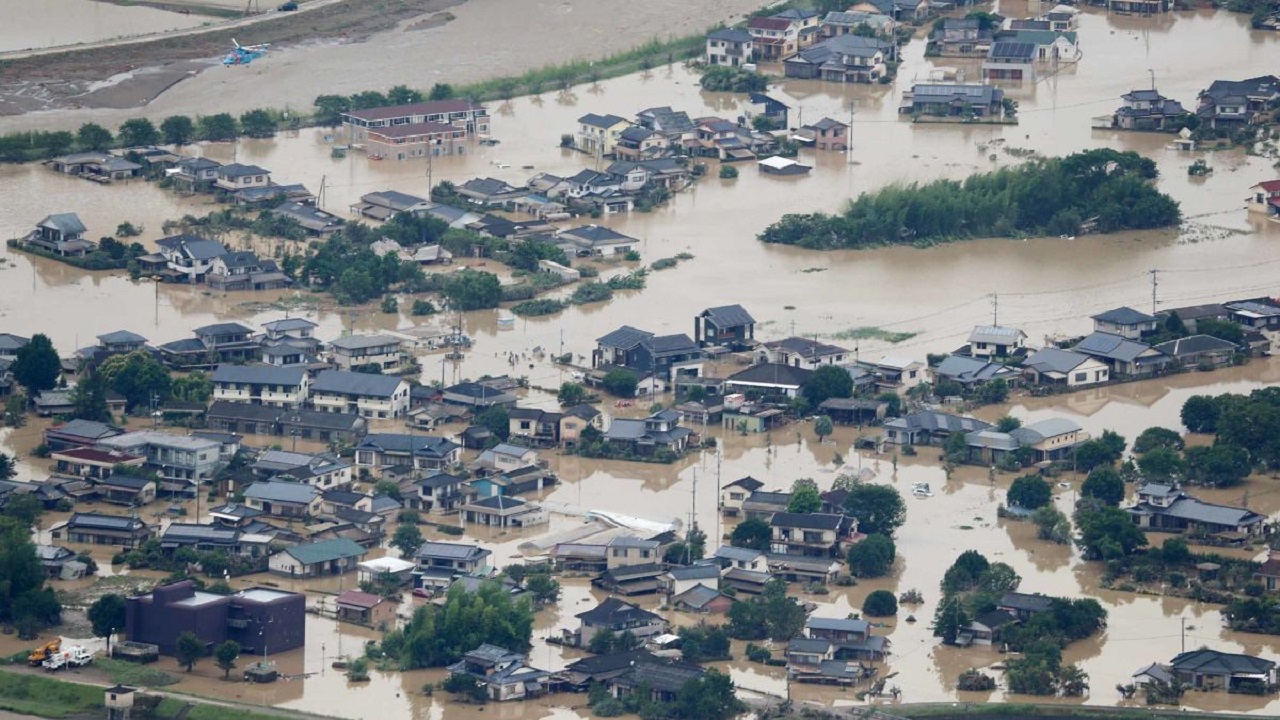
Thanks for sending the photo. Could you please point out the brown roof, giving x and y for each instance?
(1270, 568)
(92, 455)
(769, 23)
(355, 598)
(422, 108)
(413, 130)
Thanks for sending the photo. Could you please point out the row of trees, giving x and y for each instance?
(175, 130)
(329, 108)
(1055, 196)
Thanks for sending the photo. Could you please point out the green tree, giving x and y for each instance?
(1218, 465)
(407, 540)
(1108, 533)
(225, 655)
(465, 687)
(258, 123)
(543, 587)
(877, 508)
(92, 136)
(1029, 492)
(949, 620)
(193, 387)
(1162, 464)
(998, 579)
(23, 507)
(472, 290)
(219, 127)
(1091, 454)
(138, 132)
(1008, 424)
(771, 614)
(1105, 485)
(872, 556)
(329, 109)
(1157, 437)
(994, 392)
(1174, 551)
(965, 573)
(37, 366)
(177, 130)
(753, 534)
(90, 398)
(189, 650)
(620, 382)
(880, 603)
(1200, 413)
(1221, 329)
(107, 616)
(403, 95)
(826, 382)
(497, 420)
(823, 427)
(138, 376)
(7, 469)
(571, 393)
(804, 499)
(704, 642)
(441, 91)
(709, 697)
(438, 635)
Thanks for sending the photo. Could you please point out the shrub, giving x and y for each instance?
(880, 603)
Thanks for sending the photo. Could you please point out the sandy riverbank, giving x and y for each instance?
(338, 53)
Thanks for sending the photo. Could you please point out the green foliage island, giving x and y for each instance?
(1102, 190)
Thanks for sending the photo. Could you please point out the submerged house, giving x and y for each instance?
(505, 675)
(61, 234)
(1148, 110)
(1166, 508)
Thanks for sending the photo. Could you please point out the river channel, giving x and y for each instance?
(1046, 286)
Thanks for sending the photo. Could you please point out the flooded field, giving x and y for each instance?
(50, 23)
(1046, 286)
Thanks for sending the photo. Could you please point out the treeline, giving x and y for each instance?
(1246, 430)
(1101, 189)
(174, 130)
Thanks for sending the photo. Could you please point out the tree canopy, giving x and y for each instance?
(37, 366)
(878, 508)
(1029, 492)
(826, 382)
(1050, 196)
(1105, 485)
(872, 556)
(753, 534)
(439, 635)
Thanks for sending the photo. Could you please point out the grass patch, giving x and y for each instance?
(127, 673)
(868, 332)
(35, 695)
(219, 712)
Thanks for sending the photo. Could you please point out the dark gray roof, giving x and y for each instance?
(237, 170)
(852, 625)
(86, 429)
(625, 337)
(197, 248)
(616, 612)
(11, 342)
(994, 619)
(1012, 51)
(1112, 347)
(121, 336)
(258, 374)
(1026, 602)
(934, 421)
(451, 551)
(670, 344)
(600, 121)
(728, 316)
(487, 186)
(930, 93)
(354, 383)
(1194, 345)
(66, 223)
(695, 572)
(129, 482)
(807, 348)
(596, 234)
(772, 374)
(230, 328)
(736, 35)
(393, 199)
(664, 677)
(281, 492)
(807, 521)
(1124, 316)
(499, 502)
(439, 480)
(326, 551)
(808, 645)
(284, 324)
(98, 521)
(405, 443)
(970, 370)
(1215, 661)
(1198, 511)
(1053, 359)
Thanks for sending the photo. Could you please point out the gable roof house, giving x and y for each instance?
(1207, 669)
(844, 23)
(929, 427)
(383, 351)
(315, 221)
(953, 100)
(972, 372)
(442, 561)
(1264, 198)
(597, 135)
(370, 396)
(806, 353)
(659, 432)
(961, 37)
(1166, 508)
(662, 681)
(382, 205)
(503, 674)
(843, 58)
(283, 499)
(423, 452)
(1054, 366)
(1203, 351)
(437, 492)
(1010, 60)
(807, 534)
(260, 385)
(488, 191)
(665, 356)
(195, 173)
(1148, 110)
(597, 240)
(78, 433)
(236, 176)
(1124, 357)
(1236, 103)
(780, 36)
(615, 616)
(190, 258)
(731, 47)
(228, 342)
(851, 638)
(1261, 315)
(503, 512)
(1125, 322)
(996, 341)
(102, 529)
(470, 117)
(319, 559)
(61, 234)
(734, 494)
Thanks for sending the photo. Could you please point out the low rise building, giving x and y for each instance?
(370, 396)
(261, 620)
(318, 559)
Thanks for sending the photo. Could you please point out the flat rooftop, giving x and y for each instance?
(263, 595)
(199, 599)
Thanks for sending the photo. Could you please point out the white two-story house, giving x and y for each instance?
(282, 387)
(370, 396)
(352, 351)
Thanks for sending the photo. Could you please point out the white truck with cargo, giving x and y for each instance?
(74, 656)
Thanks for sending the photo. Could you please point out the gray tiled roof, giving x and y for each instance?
(281, 492)
(258, 375)
(1124, 316)
(354, 383)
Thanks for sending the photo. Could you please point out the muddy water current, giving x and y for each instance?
(50, 23)
(1046, 286)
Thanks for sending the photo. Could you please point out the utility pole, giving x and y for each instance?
(995, 309)
(1184, 633)
(1155, 284)
(848, 140)
(1152, 72)
(320, 196)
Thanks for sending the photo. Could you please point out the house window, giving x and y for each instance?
(1082, 376)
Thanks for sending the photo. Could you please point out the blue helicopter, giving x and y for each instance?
(244, 54)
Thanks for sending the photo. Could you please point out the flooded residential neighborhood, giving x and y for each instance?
(253, 380)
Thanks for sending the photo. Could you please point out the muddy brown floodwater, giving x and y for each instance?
(50, 23)
(1046, 286)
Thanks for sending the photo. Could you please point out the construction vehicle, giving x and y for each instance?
(74, 656)
(42, 653)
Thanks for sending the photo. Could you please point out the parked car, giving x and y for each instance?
(287, 7)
